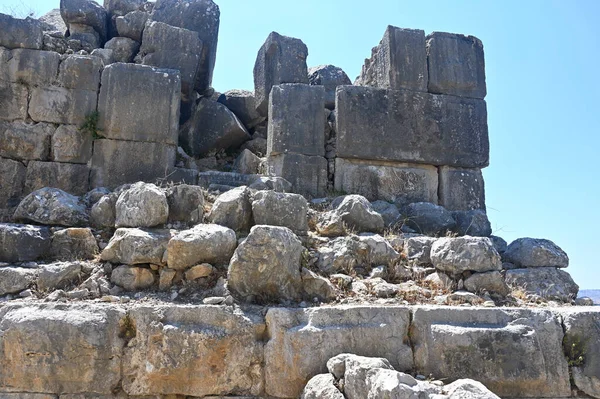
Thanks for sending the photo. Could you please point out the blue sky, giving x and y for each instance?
(542, 62)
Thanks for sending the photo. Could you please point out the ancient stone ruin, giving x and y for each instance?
(314, 238)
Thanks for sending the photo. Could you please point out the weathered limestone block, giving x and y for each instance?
(492, 282)
(25, 141)
(582, 338)
(124, 49)
(71, 144)
(204, 243)
(205, 179)
(69, 177)
(61, 105)
(13, 101)
(296, 120)
(456, 65)
(302, 340)
(80, 72)
(401, 183)
(281, 59)
(330, 77)
(21, 242)
(140, 103)
(119, 8)
(116, 162)
(20, 33)
(515, 352)
(104, 54)
(133, 246)
(186, 203)
(29, 67)
(535, 252)
(233, 209)
(321, 386)
(87, 13)
(166, 46)
(132, 278)
(410, 126)
(57, 275)
(59, 348)
(201, 16)
(12, 182)
(281, 209)
(418, 249)
(461, 189)
(132, 24)
(308, 174)
(142, 205)
(266, 266)
(52, 206)
(243, 104)
(84, 37)
(398, 62)
(456, 255)
(74, 244)
(352, 212)
(247, 163)
(546, 282)
(211, 127)
(194, 350)
(15, 279)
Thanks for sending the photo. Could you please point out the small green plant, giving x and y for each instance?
(90, 125)
(127, 330)
(574, 351)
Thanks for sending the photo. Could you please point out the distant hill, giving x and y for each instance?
(594, 294)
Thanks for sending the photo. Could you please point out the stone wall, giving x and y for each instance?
(206, 351)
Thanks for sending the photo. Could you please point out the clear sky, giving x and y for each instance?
(542, 61)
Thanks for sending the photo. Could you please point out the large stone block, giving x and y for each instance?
(86, 13)
(166, 46)
(80, 72)
(461, 189)
(20, 33)
(68, 177)
(116, 162)
(13, 101)
(20, 140)
(60, 105)
(139, 103)
(308, 174)
(401, 183)
(281, 59)
(29, 67)
(12, 182)
(513, 352)
(410, 126)
(456, 65)
(71, 144)
(194, 350)
(59, 348)
(296, 120)
(398, 62)
(201, 16)
(22, 242)
(302, 340)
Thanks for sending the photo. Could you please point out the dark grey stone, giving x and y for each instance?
(212, 127)
(166, 46)
(25, 141)
(296, 120)
(119, 8)
(456, 65)
(132, 24)
(307, 174)
(429, 219)
(83, 37)
(21, 242)
(398, 62)
(124, 49)
(330, 77)
(461, 189)
(12, 182)
(472, 223)
(205, 179)
(201, 16)
(410, 126)
(243, 104)
(546, 282)
(20, 33)
(389, 212)
(139, 102)
(85, 12)
(54, 207)
(535, 252)
(186, 203)
(499, 243)
(281, 59)
(72, 178)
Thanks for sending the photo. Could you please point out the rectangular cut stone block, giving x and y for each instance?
(456, 65)
(59, 348)
(30, 67)
(398, 62)
(308, 174)
(296, 120)
(205, 179)
(26, 141)
(80, 72)
(23, 242)
(461, 189)
(20, 33)
(68, 177)
(194, 351)
(116, 162)
(61, 105)
(12, 182)
(513, 352)
(13, 101)
(409, 126)
(401, 183)
(71, 144)
(302, 340)
(139, 103)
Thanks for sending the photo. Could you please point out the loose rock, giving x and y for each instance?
(142, 205)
